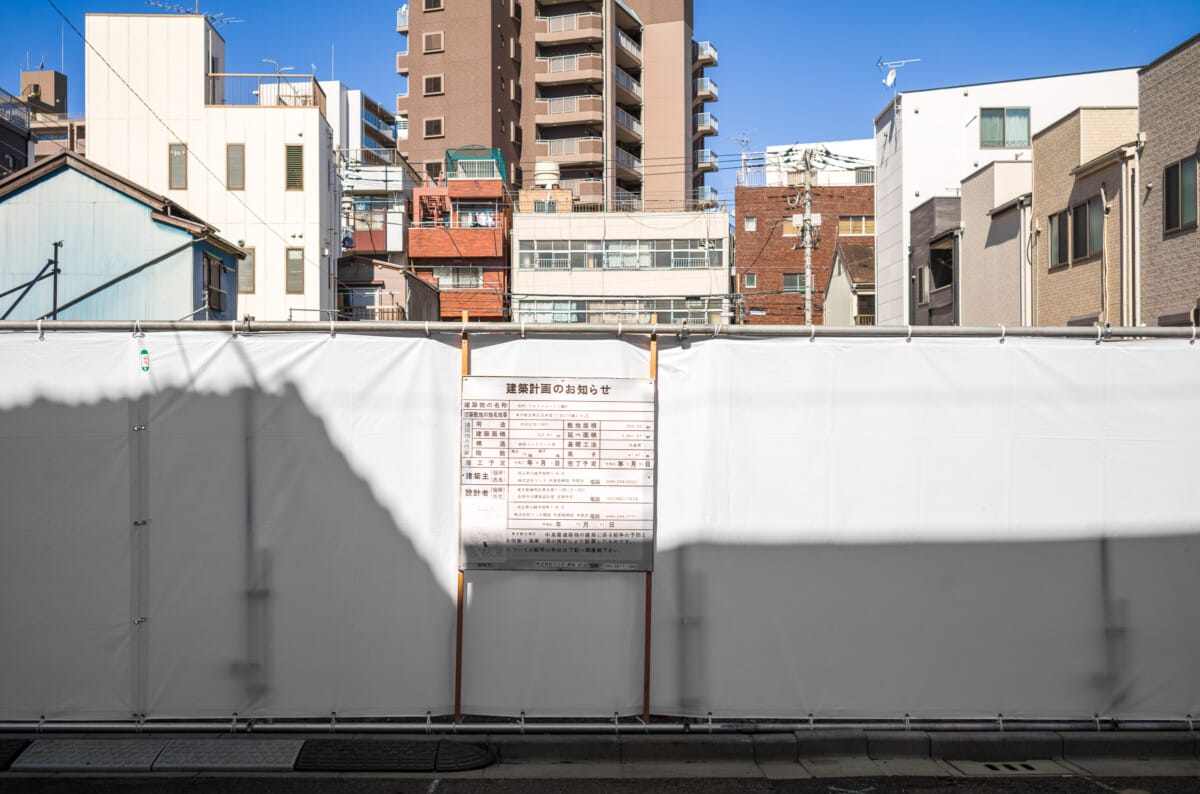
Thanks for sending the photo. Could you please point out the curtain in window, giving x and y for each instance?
(1016, 127)
(991, 127)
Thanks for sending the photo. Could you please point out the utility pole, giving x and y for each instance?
(806, 238)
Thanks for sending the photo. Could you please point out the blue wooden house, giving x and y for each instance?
(79, 242)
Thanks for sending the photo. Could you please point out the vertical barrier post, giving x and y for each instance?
(650, 573)
(458, 628)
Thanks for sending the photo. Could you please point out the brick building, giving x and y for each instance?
(1170, 245)
(770, 256)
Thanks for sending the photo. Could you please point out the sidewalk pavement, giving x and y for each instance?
(769, 756)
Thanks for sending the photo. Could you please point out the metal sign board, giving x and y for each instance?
(557, 474)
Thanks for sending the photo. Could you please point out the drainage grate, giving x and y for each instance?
(1009, 768)
(9, 750)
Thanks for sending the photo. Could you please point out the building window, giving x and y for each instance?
(750, 223)
(294, 161)
(1059, 237)
(295, 271)
(458, 277)
(434, 41)
(433, 84)
(923, 284)
(177, 166)
(1004, 128)
(1087, 229)
(434, 5)
(214, 296)
(246, 273)
(856, 224)
(545, 206)
(235, 166)
(433, 170)
(1179, 195)
(793, 282)
(750, 280)
(433, 128)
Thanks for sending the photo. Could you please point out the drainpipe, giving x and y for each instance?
(1136, 208)
(1025, 260)
(1126, 251)
(1103, 255)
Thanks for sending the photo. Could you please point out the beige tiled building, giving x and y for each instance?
(1082, 213)
(612, 91)
(1170, 243)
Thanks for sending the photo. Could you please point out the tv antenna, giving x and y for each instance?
(889, 81)
(216, 20)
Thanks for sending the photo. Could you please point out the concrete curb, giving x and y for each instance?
(989, 746)
(772, 747)
(892, 745)
(722, 747)
(510, 749)
(831, 744)
(1160, 744)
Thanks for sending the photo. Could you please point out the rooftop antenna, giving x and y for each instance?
(889, 81)
(742, 140)
(214, 19)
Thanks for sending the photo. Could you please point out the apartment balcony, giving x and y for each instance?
(629, 90)
(705, 196)
(629, 166)
(586, 26)
(705, 160)
(564, 69)
(703, 54)
(584, 151)
(560, 111)
(402, 18)
(629, 52)
(265, 90)
(589, 190)
(629, 129)
(705, 124)
(706, 89)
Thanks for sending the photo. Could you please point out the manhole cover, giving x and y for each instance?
(1009, 768)
(9, 750)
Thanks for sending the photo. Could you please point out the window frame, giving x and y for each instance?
(750, 223)
(749, 281)
(213, 268)
(441, 122)
(287, 276)
(171, 150)
(1059, 245)
(1091, 251)
(1182, 223)
(229, 147)
(251, 263)
(1004, 144)
(798, 289)
(433, 5)
(425, 37)
(287, 171)
(441, 89)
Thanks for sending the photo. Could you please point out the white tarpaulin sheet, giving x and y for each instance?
(858, 528)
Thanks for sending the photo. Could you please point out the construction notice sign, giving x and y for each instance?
(557, 474)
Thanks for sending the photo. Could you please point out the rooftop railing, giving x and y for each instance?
(265, 90)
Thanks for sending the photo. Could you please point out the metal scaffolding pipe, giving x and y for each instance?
(681, 330)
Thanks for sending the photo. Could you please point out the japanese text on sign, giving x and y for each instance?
(557, 474)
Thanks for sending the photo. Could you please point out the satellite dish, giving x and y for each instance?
(890, 80)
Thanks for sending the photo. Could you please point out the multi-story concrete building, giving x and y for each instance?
(45, 91)
(927, 141)
(1083, 192)
(994, 282)
(1170, 245)
(632, 267)
(16, 136)
(768, 226)
(252, 154)
(613, 92)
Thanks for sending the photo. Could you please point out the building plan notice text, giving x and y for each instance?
(557, 474)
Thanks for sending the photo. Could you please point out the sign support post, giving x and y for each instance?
(650, 573)
(462, 576)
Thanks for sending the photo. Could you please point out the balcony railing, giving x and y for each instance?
(706, 85)
(265, 90)
(628, 121)
(626, 81)
(626, 41)
(13, 110)
(402, 17)
(705, 194)
(568, 22)
(582, 103)
(704, 51)
(706, 158)
(584, 187)
(628, 160)
(864, 319)
(706, 120)
(370, 156)
(562, 146)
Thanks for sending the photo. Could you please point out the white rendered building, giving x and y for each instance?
(834, 163)
(928, 141)
(252, 154)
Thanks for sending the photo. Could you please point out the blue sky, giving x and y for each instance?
(788, 71)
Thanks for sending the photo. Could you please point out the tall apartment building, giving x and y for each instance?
(613, 92)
